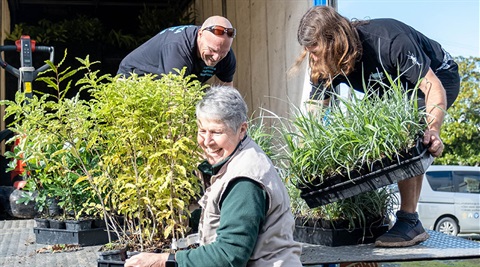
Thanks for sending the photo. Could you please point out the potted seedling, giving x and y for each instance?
(356, 220)
(147, 176)
(56, 147)
(338, 162)
(356, 145)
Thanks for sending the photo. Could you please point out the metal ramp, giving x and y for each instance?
(438, 247)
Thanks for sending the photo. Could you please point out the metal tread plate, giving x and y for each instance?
(438, 246)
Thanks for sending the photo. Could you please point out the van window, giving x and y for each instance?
(468, 182)
(440, 181)
(454, 181)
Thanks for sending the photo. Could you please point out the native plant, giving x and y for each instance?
(127, 154)
(53, 133)
(148, 127)
(352, 134)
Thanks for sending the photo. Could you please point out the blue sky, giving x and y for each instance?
(455, 24)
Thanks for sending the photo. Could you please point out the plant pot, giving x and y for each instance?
(21, 210)
(105, 263)
(99, 223)
(42, 222)
(53, 208)
(337, 237)
(115, 255)
(87, 237)
(75, 225)
(412, 163)
(56, 223)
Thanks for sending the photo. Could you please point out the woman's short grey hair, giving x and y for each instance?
(223, 103)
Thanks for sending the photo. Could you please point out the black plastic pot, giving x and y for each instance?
(112, 258)
(42, 222)
(99, 223)
(412, 163)
(337, 237)
(57, 223)
(105, 263)
(75, 225)
(88, 237)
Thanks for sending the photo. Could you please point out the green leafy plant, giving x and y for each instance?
(352, 134)
(52, 131)
(369, 209)
(127, 155)
(148, 127)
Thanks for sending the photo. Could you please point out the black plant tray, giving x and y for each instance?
(337, 237)
(88, 237)
(107, 263)
(412, 163)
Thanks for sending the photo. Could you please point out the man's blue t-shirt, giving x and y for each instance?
(176, 47)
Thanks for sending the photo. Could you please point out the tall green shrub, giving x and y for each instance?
(149, 130)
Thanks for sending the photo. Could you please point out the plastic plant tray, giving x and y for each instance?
(386, 175)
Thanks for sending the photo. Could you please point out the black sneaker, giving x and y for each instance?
(402, 234)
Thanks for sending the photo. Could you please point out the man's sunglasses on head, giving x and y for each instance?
(220, 30)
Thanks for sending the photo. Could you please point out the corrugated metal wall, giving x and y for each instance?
(266, 47)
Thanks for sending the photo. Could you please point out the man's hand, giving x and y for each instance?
(432, 137)
(147, 260)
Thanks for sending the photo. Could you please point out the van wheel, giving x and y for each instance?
(447, 225)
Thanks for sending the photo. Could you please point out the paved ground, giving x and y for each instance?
(18, 249)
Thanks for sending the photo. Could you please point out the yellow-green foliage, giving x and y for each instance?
(152, 151)
(128, 151)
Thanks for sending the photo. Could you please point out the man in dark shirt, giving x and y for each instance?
(205, 51)
(363, 54)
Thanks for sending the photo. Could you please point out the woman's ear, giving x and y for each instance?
(243, 129)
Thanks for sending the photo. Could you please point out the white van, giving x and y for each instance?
(450, 199)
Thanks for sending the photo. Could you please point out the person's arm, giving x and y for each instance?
(241, 219)
(435, 105)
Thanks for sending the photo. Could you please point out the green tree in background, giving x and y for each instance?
(461, 128)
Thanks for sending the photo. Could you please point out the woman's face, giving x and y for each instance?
(217, 140)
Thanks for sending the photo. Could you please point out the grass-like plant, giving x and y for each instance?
(365, 210)
(352, 134)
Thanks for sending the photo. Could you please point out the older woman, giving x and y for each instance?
(246, 218)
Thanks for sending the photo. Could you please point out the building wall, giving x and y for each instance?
(265, 47)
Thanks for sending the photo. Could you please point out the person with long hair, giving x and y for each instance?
(364, 54)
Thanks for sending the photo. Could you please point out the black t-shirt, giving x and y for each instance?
(176, 47)
(393, 47)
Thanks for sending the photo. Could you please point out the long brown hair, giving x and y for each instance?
(336, 38)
